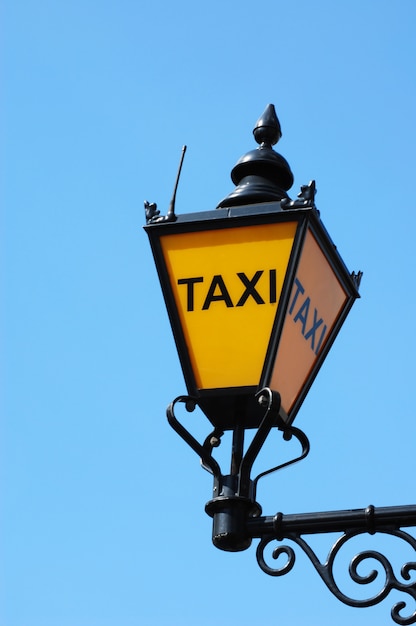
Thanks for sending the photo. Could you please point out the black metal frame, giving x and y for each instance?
(237, 516)
(225, 407)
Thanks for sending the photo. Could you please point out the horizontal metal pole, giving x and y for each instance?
(370, 519)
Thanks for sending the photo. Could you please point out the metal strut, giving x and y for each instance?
(234, 494)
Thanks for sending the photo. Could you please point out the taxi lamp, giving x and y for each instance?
(256, 293)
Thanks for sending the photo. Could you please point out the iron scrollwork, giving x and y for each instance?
(326, 570)
(237, 516)
(246, 487)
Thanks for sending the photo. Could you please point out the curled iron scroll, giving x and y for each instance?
(326, 570)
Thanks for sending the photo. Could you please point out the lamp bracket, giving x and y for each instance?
(234, 494)
(242, 462)
(237, 518)
(282, 525)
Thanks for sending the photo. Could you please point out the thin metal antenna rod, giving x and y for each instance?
(171, 212)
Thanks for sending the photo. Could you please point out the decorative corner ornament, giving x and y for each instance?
(151, 211)
(306, 198)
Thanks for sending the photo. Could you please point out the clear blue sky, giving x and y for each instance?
(102, 505)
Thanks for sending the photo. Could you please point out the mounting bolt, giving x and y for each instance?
(263, 401)
(190, 405)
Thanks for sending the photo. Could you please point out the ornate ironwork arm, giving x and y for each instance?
(237, 516)
(387, 521)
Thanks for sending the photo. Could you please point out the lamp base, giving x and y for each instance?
(229, 524)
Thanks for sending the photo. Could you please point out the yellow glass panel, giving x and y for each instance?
(227, 284)
(316, 301)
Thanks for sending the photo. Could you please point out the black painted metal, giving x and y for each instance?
(204, 451)
(261, 175)
(385, 521)
(234, 494)
(262, 178)
(369, 520)
(237, 516)
(152, 212)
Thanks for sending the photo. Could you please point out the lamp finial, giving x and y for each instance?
(261, 175)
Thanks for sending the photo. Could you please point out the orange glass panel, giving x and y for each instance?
(316, 301)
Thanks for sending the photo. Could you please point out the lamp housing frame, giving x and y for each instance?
(226, 407)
